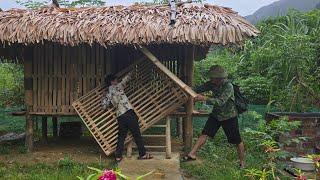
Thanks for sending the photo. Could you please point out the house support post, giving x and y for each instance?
(187, 125)
(27, 59)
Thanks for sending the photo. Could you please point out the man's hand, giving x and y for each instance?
(200, 97)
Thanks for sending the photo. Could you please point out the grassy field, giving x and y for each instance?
(64, 169)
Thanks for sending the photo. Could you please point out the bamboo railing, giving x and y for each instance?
(152, 92)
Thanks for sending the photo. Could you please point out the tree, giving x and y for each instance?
(33, 4)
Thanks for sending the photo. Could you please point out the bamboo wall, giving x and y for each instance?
(62, 74)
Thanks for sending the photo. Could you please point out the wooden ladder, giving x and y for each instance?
(167, 137)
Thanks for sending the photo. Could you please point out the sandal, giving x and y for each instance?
(118, 160)
(146, 156)
(188, 158)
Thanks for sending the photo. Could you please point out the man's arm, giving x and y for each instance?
(202, 88)
(106, 101)
(225, 96)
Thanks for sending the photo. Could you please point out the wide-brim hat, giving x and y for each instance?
(217, 71)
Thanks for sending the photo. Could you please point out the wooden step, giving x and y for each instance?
(154, 135)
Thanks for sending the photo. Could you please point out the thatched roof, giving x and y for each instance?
(135, 25)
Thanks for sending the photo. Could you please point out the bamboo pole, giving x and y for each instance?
(168, 138)
(188, 129)
(28, 85)
(166, 71)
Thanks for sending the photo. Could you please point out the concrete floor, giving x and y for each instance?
(163, 168)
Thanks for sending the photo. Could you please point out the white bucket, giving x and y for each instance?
(305, 164)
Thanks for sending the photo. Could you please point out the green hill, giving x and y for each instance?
(281, 8)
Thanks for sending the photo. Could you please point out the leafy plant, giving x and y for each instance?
(110, 175)
(11, 84)
(266, 136)
(66, 163)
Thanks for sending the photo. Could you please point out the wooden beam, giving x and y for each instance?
(29, 133)
(166, 71)
(188, 129)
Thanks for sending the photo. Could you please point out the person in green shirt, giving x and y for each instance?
(224, 112)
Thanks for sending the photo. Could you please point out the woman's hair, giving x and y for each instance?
(109, 78)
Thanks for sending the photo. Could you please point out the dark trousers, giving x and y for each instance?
(129, 121)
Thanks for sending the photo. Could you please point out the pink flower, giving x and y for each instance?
(316, 159)
(108, 175)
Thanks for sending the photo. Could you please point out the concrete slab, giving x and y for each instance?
(163, 168)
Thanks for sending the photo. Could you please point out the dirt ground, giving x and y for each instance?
(82, 150)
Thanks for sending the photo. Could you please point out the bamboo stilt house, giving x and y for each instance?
(67, 52)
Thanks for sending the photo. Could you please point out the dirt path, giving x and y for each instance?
(83, 150)
(163, 168)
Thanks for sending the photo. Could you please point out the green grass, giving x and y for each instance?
(10, 123)
(220, 160)
(65, 169)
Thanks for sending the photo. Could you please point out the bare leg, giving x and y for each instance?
(240, 148)
(200, 142)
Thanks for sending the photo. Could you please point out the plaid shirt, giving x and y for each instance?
(117, 97)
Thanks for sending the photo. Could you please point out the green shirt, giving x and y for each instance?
(222, 99)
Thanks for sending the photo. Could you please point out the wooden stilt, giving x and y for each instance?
(188, 129)
(55, 126)
(44, 128)
(168, 138)
(29, 133)
(28, 99)
(179, 128)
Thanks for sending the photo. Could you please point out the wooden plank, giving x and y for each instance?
(59, 79)
(43, 66)
(50, 78)
(35, 79)
(68, 80)
(63, 79)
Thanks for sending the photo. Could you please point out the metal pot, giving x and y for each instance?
(305, 164)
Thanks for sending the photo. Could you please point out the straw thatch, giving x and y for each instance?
(196, 24)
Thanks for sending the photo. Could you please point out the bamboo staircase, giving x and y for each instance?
(153, 91)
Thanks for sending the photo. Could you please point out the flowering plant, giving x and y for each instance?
(316, 160)
(109, 175)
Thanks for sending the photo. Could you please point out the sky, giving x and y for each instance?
(244, 7)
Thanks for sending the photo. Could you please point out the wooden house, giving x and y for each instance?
(67, 52)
